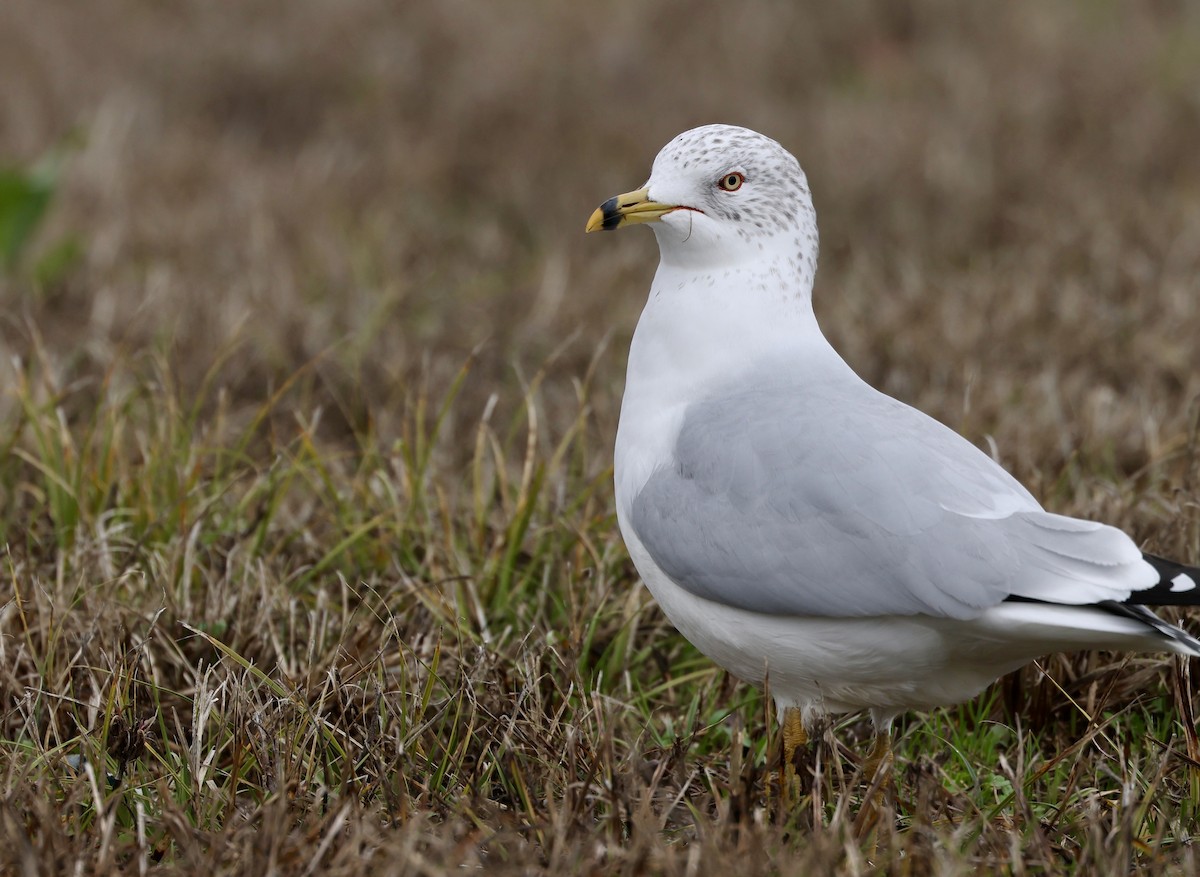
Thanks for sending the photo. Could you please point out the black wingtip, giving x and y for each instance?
(1178, 585)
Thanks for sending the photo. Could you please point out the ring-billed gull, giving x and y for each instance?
(799, 526)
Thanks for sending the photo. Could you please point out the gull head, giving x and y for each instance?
(721, 195)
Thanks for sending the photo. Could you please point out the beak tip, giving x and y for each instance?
(596, 222)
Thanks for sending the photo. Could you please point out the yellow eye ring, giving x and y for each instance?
(731, 182)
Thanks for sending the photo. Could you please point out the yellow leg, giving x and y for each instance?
(877, 773)
(794, 737)
(877, 769)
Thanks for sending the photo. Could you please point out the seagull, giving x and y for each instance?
(799, 526)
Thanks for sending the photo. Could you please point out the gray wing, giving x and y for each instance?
(834, 503)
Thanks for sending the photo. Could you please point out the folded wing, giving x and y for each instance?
(829, 502)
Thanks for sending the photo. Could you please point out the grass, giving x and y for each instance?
(305, 450)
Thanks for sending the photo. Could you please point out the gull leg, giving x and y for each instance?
(878, 774)
(795, 737)
(877, 770)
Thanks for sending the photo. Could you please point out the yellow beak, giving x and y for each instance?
(628, 209)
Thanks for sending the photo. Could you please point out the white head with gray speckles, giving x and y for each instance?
(743, 197)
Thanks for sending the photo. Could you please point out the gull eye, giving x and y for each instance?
(731, 182)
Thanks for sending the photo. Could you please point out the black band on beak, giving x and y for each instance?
(612, 214)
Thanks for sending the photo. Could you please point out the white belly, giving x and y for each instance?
(889, 664)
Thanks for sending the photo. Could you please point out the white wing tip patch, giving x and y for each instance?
(1182, 582)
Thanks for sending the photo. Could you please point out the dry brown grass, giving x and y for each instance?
(306, 458)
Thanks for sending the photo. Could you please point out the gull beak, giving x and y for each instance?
(628, 209)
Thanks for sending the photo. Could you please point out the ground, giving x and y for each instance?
(308, 386)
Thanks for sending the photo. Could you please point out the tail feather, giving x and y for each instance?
(1178, 585)
(1179, 639)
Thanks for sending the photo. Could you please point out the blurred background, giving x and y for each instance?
(249, 250)
(1008, 194)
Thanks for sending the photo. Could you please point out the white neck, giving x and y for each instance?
(693, 331)
(702, 328)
